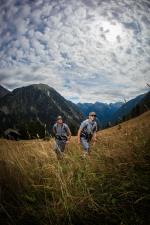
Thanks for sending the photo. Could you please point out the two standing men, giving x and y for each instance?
(86, 133)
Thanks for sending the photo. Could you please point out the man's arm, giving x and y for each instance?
(82, 126)
(54, 130)
(78, 135)
(94, 134)
(69, 134)
(94, 137)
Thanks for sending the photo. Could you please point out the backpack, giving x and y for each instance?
(87, 134)
(63, 128)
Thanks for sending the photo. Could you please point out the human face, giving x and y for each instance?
(92, 117)
(60, 121)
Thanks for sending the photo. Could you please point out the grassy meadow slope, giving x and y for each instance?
(111, 187)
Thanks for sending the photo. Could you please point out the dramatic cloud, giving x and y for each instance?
(88, 50)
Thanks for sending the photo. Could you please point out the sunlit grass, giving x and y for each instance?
(111, 186)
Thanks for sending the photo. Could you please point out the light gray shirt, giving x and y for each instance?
(61, 130)
(88, 127)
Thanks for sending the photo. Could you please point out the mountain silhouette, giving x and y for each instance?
(130, 108)
(33, 110)
(103, 111)
(3, 91)
(142, 106)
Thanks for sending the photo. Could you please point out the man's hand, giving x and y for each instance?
(78, 141)
(94, 141)
(68, 140)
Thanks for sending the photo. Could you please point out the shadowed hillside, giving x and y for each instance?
(132, 108)
(33, 110)
(3, 91)
(139, 108)
(111, 187)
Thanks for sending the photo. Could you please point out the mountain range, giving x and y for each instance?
(139, 108)
(103, 111)
(33, 110)
(114, 113)
(125, 109)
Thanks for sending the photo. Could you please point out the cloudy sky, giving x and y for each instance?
(88, 50)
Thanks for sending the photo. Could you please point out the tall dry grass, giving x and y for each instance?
(111, 186)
